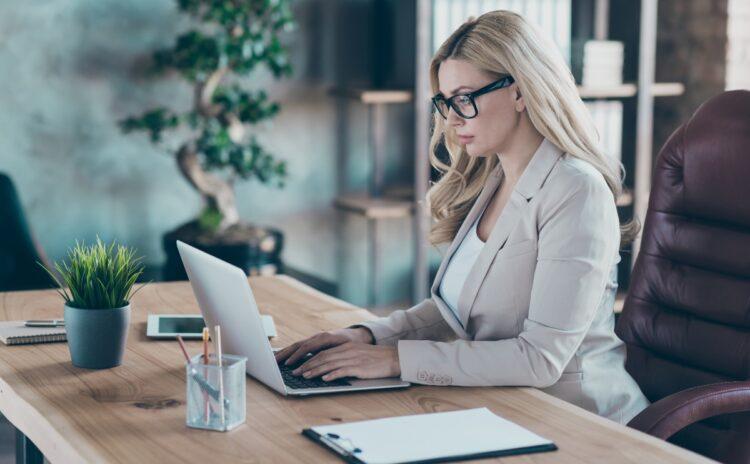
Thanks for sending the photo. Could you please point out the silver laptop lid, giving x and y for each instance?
(226, 299)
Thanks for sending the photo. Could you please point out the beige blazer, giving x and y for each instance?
(537, 306)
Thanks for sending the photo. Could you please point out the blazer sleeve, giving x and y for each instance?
(577, 246)
(422, 321)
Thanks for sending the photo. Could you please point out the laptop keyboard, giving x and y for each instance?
(295, 381)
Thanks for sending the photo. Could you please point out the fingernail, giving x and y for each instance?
(296, 371)
(306, 374)
(326, 377)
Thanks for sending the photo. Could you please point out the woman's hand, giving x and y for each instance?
(298, 350)
(352, 359)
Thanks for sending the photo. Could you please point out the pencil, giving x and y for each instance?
(217, 331)
(205, 345)
(205, 361)
(183, 348)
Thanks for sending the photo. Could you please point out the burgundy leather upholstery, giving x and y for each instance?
(686, 318)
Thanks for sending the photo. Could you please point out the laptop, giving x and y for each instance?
(226, 299)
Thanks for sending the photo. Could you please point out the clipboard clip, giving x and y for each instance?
(342, 445)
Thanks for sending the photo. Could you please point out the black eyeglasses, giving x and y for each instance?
(463, 103)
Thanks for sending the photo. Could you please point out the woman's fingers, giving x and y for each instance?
(333, 354)
(328, 367)
(313, 345)
(285, 352)
(352, 360)
(348, 371)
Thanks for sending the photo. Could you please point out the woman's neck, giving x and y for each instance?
(520, 149)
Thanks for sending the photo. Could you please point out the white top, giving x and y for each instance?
(459, 266)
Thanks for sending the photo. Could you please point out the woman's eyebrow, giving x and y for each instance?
(459, 88)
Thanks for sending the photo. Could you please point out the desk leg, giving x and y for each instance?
(26, 451)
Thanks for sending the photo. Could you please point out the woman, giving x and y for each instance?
(525, 293)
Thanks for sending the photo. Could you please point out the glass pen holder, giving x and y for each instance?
(215, 395)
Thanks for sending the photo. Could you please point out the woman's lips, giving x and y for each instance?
(465, 138)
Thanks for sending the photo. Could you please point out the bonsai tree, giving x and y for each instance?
(231, 38)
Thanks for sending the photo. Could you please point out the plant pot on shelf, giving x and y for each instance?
(255, 250)
(96, 337)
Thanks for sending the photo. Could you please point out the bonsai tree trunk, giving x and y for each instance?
(218, 193)
(205, 90)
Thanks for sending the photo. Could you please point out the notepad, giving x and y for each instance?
(16, 333)
(437, 437)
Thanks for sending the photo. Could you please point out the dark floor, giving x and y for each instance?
(7, 442)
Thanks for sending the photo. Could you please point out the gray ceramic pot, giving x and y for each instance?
(96, 337)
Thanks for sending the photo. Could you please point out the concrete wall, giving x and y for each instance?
(72, 68)
(691, 48)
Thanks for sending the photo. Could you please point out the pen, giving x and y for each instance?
(217, 331)
(45, 323)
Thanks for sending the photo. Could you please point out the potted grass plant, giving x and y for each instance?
(96, 283)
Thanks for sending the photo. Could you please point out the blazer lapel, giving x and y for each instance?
(528, 184)
(500, 232)
(485, 196)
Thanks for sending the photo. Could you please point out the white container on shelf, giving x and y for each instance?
(603, 63)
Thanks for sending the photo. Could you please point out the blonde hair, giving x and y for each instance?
(500, 43)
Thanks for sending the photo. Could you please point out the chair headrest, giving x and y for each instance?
(704, 168)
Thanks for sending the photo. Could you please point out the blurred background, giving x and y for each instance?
(329, 187)
(291, 136)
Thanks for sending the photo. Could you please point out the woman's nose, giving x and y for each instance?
(454, 119)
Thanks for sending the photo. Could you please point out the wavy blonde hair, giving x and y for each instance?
(498, 43)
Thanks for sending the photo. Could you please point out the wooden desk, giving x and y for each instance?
(135, 412)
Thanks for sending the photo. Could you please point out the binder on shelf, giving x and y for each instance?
(437, 437)
(608, 117)
(551, 17)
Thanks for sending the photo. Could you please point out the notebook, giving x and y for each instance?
(16, 333)
(426, 438)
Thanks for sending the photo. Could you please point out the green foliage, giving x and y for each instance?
(236, 36)
(209, 219)
(246, 35)
(245, 160)
(154, 122)
(98, 276)
(194, 54)
(249, 107)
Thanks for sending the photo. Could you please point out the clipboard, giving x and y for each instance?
(437, 437)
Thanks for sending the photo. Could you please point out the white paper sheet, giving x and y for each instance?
(430, 436)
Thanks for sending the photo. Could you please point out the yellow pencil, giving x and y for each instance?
(205, 345)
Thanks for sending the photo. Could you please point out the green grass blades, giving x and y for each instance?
(98, 276)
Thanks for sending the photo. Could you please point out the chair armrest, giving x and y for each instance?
(671, 414)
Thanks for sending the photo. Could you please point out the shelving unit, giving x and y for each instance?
(376, 204)
(659, 89)
(645, 90)
(374, 208)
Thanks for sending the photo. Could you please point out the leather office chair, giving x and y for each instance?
(19, 252)
(686, 318)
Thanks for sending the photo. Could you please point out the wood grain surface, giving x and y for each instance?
(136, 412)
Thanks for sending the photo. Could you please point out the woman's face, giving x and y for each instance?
(498, 112)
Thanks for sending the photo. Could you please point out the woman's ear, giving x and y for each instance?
(518, 100)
